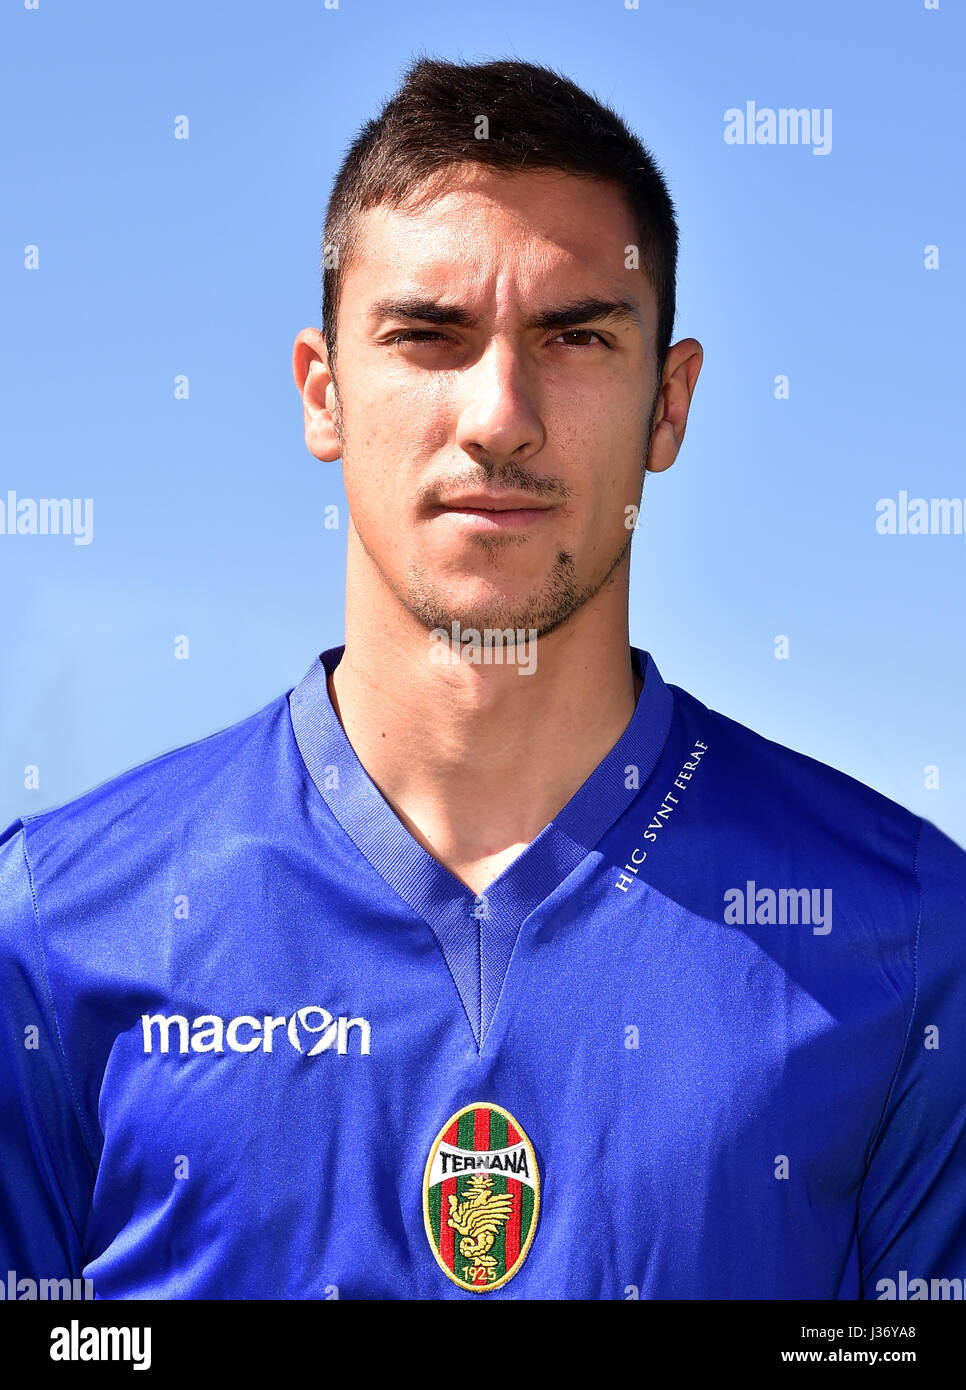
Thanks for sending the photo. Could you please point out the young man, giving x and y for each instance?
(486, 961)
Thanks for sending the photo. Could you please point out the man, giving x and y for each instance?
(485, 961)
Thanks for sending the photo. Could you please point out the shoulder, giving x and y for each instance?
(120, 822)
(765, 794)
(762, 767)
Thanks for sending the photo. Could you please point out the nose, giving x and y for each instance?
(499, 417)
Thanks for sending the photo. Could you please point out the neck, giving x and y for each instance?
(476, 759)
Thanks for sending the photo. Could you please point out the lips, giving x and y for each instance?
(497, 514)
(492, 502)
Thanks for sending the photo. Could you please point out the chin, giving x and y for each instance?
(539, 601)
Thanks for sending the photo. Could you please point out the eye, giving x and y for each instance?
(585, 332)
(417, 335)
(428, 335)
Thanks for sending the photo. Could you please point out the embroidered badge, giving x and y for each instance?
(481, 1196)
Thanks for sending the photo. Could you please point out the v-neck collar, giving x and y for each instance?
(476, 934)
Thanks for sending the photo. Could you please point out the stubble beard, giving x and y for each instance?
(555, 603)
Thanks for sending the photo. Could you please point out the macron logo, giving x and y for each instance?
(246, 1033)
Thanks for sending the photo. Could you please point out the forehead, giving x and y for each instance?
(471, 226)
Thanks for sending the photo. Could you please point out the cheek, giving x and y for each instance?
(400, 420)
(393, 441)
(373, 448)
(374, 505)
(609, 462)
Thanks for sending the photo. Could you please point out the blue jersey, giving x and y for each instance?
(703, 1039)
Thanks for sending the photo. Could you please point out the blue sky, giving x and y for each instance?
(158, 257)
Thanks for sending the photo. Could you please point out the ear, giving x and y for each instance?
(681, 367)
(310, 367)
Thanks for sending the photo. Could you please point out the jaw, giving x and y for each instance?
(497, 583)
(540, 603)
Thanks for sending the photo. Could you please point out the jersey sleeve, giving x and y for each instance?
(46, 1173)
(912, 1208)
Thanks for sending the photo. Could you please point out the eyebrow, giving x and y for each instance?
(554, 316)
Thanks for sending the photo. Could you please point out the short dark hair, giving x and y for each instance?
(538, 119)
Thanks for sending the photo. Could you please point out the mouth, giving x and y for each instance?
(493, 512)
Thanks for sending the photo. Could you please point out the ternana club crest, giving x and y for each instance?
(481, 1196)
